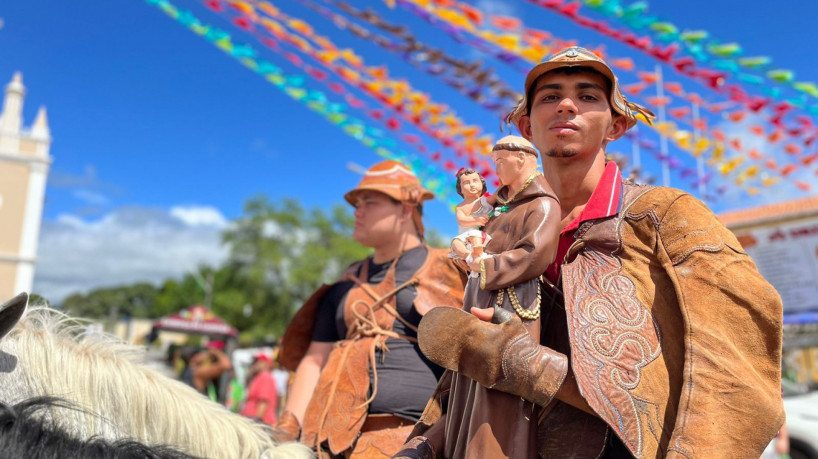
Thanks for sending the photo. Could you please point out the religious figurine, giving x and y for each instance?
(472, 214)
(523, 231)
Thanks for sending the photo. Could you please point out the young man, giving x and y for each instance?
(360, 379)
(661, 337)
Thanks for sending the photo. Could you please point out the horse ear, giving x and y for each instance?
(11, 311)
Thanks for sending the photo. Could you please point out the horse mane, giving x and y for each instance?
(120, 397)
(27, 430)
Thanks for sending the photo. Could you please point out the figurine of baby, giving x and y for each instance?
(472, 214)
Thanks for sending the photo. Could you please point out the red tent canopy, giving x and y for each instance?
(196, 319)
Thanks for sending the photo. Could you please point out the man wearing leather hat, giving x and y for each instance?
(659, 336)
(360, 379)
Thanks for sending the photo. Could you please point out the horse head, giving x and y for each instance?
(45, 353)
(11, 311)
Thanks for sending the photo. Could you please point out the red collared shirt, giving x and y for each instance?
(605, 201)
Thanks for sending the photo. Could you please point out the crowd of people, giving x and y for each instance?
(210, 371)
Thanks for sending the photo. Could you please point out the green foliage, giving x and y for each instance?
(37, 300)
(286, 252)
(133, 300)
(434, 239)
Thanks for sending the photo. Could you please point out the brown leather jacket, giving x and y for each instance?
(675, 338)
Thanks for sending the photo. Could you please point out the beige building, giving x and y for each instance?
(782, 238)
(24, 163)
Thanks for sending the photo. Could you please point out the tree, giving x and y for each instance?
(281, 253)
(131, 300)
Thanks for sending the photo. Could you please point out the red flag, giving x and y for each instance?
(679, 112)
(674, 88)
(624, 63)
(317, 73)
(413, 138)
(570, 9)
(664, 55)
(695, 98)
(393, 124)
(808, 160)
(736, 143)
(506, 23)
(634, 89)
(788, 169)
(658, 101)
(648, 77)
(792, 149)
(243, 23)
(474, 15)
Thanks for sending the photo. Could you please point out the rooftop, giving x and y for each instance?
(787, 210)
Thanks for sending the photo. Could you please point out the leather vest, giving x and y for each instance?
(338, 408)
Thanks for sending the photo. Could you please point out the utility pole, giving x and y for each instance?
(207, 285)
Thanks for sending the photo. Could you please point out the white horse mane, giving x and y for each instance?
(120, 396)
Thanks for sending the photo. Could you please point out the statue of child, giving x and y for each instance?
(472, 214)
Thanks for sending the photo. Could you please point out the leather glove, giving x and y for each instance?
(287, 428)
(500, 354)
(416, 448)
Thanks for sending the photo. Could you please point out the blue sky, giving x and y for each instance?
(153, 127)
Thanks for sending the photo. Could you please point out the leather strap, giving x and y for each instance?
(384, 421)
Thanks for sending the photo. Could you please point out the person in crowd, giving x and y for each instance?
(262, 393)
(205, 368)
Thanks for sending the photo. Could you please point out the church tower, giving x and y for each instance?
(24, 163)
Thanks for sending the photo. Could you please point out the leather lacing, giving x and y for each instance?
(366, 326)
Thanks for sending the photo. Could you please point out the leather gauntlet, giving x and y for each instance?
(416, 448)
(500, 355)
(287, 428)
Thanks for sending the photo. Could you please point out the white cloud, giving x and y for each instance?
(125, 246)
(199, 216)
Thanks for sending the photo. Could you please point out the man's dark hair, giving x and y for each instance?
(25, 432)
(568, 71)
(467, 171)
